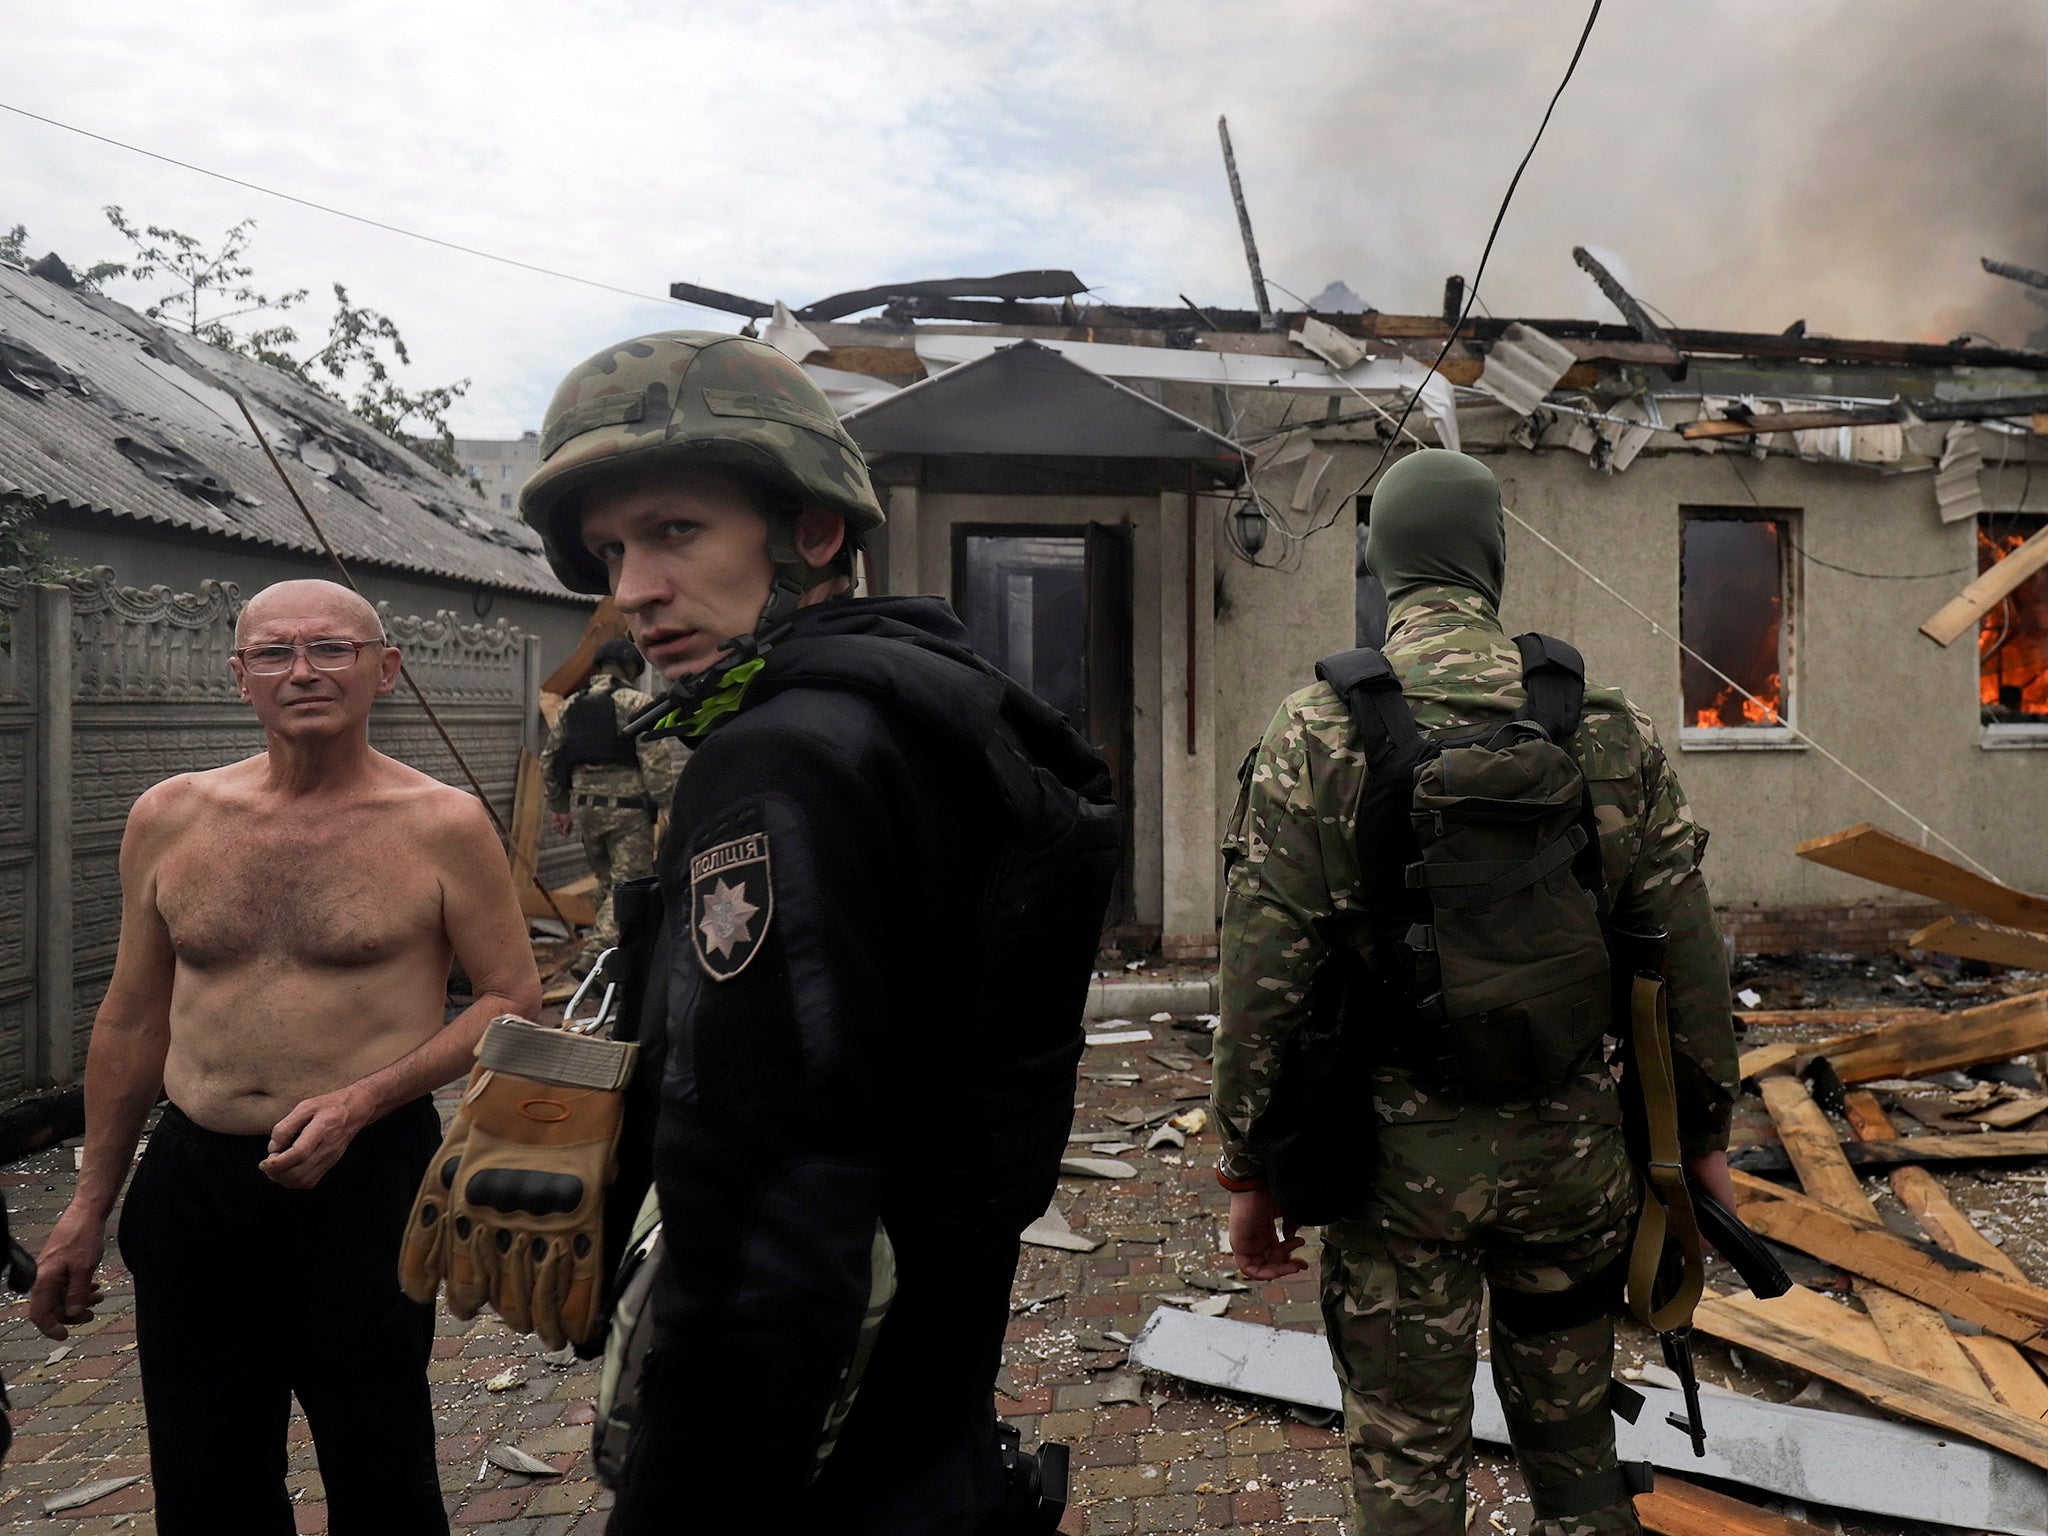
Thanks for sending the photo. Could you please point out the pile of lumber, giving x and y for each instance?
(1944, 1327)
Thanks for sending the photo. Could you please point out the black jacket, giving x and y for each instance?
(849, 1039)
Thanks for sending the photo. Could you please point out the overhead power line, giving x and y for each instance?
(342, 213)
(1472, 291)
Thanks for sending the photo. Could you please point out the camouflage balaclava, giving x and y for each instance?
(1437, 522)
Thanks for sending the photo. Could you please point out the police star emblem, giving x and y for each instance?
(732, 901)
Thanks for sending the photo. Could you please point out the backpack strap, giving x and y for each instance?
(1554, 675)
(1371, 690)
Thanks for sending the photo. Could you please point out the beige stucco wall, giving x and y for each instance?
(1869, 687)
(1891, 704)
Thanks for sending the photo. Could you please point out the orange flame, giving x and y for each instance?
(1763, 709)
(2012, 639)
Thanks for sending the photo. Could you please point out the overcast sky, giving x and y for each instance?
(1743, 163)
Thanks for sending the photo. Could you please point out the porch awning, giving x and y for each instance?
(1027, 400)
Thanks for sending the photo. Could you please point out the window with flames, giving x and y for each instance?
(2012, 639)
(1735, 613)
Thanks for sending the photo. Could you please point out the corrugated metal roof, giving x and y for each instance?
(137, 381)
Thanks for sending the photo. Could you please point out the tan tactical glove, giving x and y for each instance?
(511, 1210)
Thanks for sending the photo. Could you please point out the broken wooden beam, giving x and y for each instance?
(1959, 614)
(1942, 1042)
(1872, 1157)
(2010, 1309)
(1871, 853)
(1678, 1508)
(1999, 1362)
(1983, 941)
(1913, 1334)
(574, 903)
(605, 623)
(1788, 421)
(1779, 1332)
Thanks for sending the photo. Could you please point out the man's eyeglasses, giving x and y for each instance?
(326, 655)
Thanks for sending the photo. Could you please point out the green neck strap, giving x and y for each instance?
(722, 700)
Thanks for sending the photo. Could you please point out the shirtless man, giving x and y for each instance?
(286, 929)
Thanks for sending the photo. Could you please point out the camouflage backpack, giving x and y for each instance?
(1481, 884)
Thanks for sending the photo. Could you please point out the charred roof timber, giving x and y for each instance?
(2017, 273)
(1631, 311)
(1005, 287)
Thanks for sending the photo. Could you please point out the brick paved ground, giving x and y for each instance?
(1150, 1454)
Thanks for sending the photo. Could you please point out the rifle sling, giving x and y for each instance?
(1667, 1203)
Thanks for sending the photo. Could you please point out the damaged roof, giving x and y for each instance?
(105, 411)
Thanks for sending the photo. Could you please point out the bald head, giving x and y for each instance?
(328, 606)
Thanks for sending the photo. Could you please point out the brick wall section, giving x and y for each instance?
(1858, 928)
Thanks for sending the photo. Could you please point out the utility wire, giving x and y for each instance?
(343, 213)
(1659, 627)
(1472, 292)
(1846, 570)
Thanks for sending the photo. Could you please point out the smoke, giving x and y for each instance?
(1741, 165)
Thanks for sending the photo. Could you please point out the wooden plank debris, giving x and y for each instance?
(1914, 1334)
(2003, 1368)
(1988, 1147)
(577, 901)
(1970, 1037)
(1678, 1508)
(606, 623)
(1960, 613)
(1762, 1059)
(1982, 941)
(1789, 421)
(1764, 1328)
(1921, 1193)
(2011, 1309)
(528, 802)
(1832, 1018)
(1872, 853)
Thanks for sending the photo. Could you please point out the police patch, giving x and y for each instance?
(731, 900)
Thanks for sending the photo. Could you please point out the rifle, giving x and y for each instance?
(1667, 1266)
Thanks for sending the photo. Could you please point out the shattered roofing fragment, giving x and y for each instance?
(28, 371)
(103, 410)
(175, 467)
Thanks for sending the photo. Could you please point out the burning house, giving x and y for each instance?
(1155, 516)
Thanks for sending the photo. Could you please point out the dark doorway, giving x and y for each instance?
(1051, 606)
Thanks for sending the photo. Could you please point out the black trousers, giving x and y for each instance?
(246, 1294)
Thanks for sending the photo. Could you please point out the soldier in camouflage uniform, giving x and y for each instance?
(609, 789)
(1533, 1198)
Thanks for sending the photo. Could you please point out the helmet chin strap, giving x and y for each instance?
(686, 695)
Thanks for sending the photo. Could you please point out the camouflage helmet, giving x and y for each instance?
(687, 397)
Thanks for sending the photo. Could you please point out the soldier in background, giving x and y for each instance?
(1537, 1198)
(606, 786)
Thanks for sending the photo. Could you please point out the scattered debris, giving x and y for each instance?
(57, 1354)
(1121, 1037)
(506, 1380)
(512, 1459)
(1098, 1168)
(1191, 1121)
(1051, 1231)
(1168, 1135)
(1121, 1389)
(1899, 1470)
(87, 1493)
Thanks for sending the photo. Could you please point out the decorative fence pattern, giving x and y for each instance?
(104, 690)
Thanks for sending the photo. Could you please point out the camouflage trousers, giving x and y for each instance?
(619, 842)
(1525, 1206)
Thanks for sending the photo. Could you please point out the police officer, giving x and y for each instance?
(883, 886)
(606, 785)
(1534, 1198)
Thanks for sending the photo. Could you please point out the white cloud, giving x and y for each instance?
(1744, 163)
